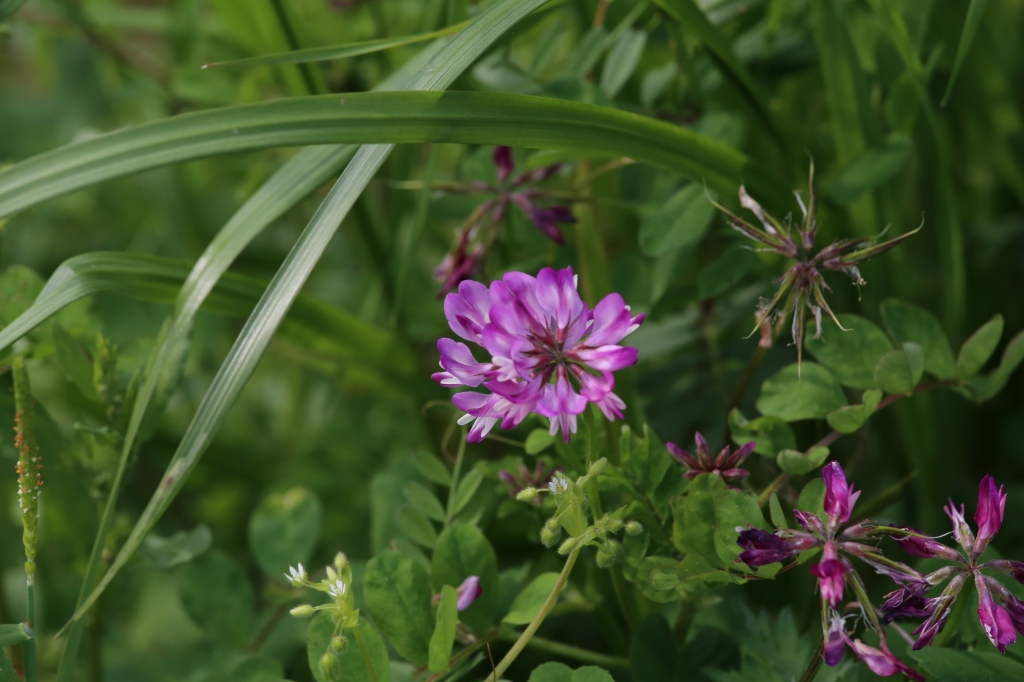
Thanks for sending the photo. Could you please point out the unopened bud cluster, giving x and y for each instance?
(338, 586)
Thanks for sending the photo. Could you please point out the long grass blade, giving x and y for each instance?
(323, 54)
(439, 72)
(971, 22)
(397, 117)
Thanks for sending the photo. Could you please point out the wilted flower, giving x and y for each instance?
(545, 345)
(466, 259)
(838, 541)
(802, 286)
(1001, 614)
(526, 479)
(725, 465)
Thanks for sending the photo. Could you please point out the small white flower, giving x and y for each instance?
(337, 589)
(558, 485)
(296, 576)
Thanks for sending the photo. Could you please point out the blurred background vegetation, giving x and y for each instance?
(344, 423)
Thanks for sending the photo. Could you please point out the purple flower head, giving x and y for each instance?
(802, 287)
(882, 662)
(761, 548)
(468, 591)
(466, 259)
(725, 465)
(925, 547)
(839, 496)
(908, 601)
(549, 353)
(994, 618)
(830, 574)
(836, 640)
(989, 514)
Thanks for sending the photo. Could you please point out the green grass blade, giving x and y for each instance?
(245, 354)
(397, 117)
(971, 22)
(9, 7)
(323, 54)
(687, 13)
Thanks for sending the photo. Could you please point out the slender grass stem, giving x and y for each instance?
(531, 629)
(812, 667)
(31, 659)
(574, 652)
(450, 511)
(366, 654)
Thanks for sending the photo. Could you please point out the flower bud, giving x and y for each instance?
(597, 467)
(604, 558)
(527, 494)
(340, 561)
(567, 546)
(634, 528)
(549, 537)
(303, 611)
(338, 645)
(329, 666)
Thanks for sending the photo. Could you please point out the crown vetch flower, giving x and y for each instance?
(550, 353)
(802, 287)
(465, 261)
(725, 465)
(999, 611)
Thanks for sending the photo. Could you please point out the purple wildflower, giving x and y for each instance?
(550, 353)
(1000, 613)
(802, 286)
(466, 259)
(468, 591)
(883, 662)
(725, 465)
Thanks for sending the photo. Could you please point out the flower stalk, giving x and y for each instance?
(30, 483)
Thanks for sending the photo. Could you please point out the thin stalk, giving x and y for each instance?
(455, 479)
(569, 651)
(590, 429)
(955, 614)
(305, 69)
(31, 660)
(531, 629)
(815, 663)
(366, 653)
(407, 246)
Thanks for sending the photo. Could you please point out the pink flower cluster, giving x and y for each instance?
(549, 353)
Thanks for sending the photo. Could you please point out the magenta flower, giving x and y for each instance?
(549, 353)
(1000, 613)
(725, 465)
(466, 259)
(468, 591)
(839, 541)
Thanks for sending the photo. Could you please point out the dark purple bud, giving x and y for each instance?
(544, 219)
(927, 630)
(810, 522)
(835, 641)
(926, 548)
(683, 456)
(1014, 607)
(961, 531)
(761, 548)
(839, 495)
(503, 162)
(997, 622)
(1014, 568)
(989, 515)
(907, 602)
(507, 478)
(741, 454)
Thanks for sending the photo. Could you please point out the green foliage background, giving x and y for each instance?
(342, 399)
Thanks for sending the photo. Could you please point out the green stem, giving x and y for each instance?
(31, 661)
(815, 663)
(590, 435)
(531, 629)
(455, 479)
(366, 653)
(955, 614)
(575, 652)
(305, 69)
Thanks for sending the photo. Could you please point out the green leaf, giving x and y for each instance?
(423, 500)
(944, 664)
(439, 72)
(177, 549)
(794, 393)
(795, 462)
(979, 348)
(775, 509)
(351, 665)
(852, 417)
(529, 601)
(695, 568)
(1012, 357)
(398, 594)
(462, 551)
(466, 489)
(433, 469)
(443, 639)
(622, 61)
(217, 595)
(560, 672)
(415, 525)
(77, 365)
(323, 54)
(851, 356)
(258, 669)
(812, 498)
(694, 528)
(9, 7)
(736, 509)
(383, 117)
(6, 667)
(972, 21)
(19, 286)
(910, 323)
(588, 50)
(725, 272)
(652, 650)
(658, 575)
(13, 634)
(868, 170)
(538, 441)
(771, 433)
(681, 221)
(283, 530)
(893, 373)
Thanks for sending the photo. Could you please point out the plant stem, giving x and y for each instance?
(366, 653)
(815, 663)
(569, 651)
(531, 629)
(590, 429)
(956, 613)
(31, 661)
(455, 479)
